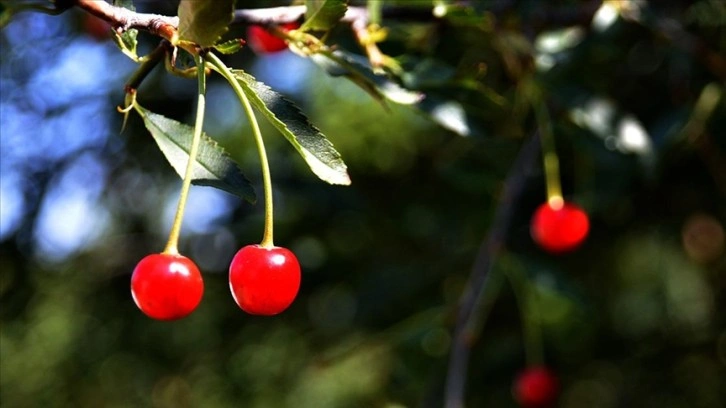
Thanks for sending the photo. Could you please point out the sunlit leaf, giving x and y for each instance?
(322, 15)
(204, 21)
(214, 167)
(449, 114)
(315, 148)
(127, 42)
(460, 110)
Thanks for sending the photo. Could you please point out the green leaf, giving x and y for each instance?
(230, 47)
(322, 15)
(451, 114)
(126, 41)
(204, 21)
(335, 68)
(313, 146)
(213, 168)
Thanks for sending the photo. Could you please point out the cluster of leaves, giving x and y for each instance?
(201, 26)
(443, 98)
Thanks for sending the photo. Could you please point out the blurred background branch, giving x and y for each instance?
(468, 324)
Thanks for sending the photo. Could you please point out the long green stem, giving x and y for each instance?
(267, 239)
(374, 11)
(549, 154)
(171, 245)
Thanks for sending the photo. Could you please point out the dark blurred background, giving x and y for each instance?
(633, 318)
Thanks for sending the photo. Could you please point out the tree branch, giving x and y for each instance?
(123, 19)
(358, 17)
(471, 298)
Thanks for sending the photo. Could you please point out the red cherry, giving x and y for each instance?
(264, 280)
(536, 387)
(166, 286)
(263, 41)
(559, 228)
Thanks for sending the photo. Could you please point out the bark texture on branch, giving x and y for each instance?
(122, 19)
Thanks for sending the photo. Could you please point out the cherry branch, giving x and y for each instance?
(463, 338)
(122, 19)
(357, 17)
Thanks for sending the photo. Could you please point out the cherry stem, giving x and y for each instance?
(171, 245)
(148, 63)
(267, 239)
(374, 11)
(526, 297)
(549, 154)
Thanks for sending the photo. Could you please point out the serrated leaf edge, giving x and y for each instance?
(342, 177)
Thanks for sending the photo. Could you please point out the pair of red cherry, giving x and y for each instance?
(263, 281)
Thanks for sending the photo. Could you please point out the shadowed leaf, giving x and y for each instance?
(322, 15)
(204, 21)
(214, 167)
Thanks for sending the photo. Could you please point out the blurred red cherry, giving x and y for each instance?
(536, 387)
(559, 227)
(263, 41)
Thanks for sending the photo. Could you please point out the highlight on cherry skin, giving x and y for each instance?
(167, 286)
(558, 226)
(263, 41)
(264, 280)
(536, 387)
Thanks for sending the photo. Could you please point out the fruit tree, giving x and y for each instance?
(363, 203)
